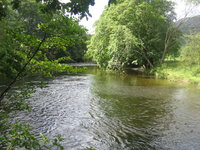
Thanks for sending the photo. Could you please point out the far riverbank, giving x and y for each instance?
(179, 72)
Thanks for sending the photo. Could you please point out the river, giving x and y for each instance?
(112, 111)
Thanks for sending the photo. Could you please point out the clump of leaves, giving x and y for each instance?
(19, 135)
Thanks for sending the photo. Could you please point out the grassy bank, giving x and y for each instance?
(180, 72)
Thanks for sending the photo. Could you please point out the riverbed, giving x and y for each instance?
(113, 111)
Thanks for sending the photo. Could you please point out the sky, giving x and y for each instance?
(96, 12)
(181, 8)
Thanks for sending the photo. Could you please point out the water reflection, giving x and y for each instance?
(134, 109)
(112, 111)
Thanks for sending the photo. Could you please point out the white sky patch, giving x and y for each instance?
(64, 1)
(96, 12)
(182, 9)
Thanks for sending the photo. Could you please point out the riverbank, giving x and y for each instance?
(99, 108)
(179, 72)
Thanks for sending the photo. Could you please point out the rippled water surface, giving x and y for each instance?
(117, 112)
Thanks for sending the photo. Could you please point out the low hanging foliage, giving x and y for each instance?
(33, 42)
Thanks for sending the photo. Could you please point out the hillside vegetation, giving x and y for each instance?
(190, 25)
(186, 67)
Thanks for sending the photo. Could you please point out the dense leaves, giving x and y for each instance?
(33, 42)
(191, 51)
(132, 33)
(22, 31)
(76, 7)
(14, 134)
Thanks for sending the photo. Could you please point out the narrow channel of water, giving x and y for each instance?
(110, 111)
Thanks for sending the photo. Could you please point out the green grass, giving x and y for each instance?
(179, 71)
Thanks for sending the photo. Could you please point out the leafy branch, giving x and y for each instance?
(2, 95)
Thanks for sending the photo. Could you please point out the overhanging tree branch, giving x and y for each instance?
(22, 70)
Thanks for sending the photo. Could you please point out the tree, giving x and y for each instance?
(74, 7)
(191, 51)
(25, 28)
(141, 21)
(29, 32)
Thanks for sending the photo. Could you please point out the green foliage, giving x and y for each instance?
(19, 135)
(11, 60)
(122, 45)
(22, 32)
(3, 8)
(179, 71)
(132, 32)
(24, 25)
(65, 38)
(49, 68)
(191, 51)
(91, 148)
(51, 6)
(186, 68)
(14, 134)
(75, 7)
(189, 25)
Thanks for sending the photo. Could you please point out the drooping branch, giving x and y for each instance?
(142, 53)
(22, 70)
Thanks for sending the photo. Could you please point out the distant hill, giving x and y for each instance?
(190, 24)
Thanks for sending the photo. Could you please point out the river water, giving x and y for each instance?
(111, 111)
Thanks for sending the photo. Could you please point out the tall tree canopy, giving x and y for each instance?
(76, 7)
(35, 35)
(132, 32)
(22, 30)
